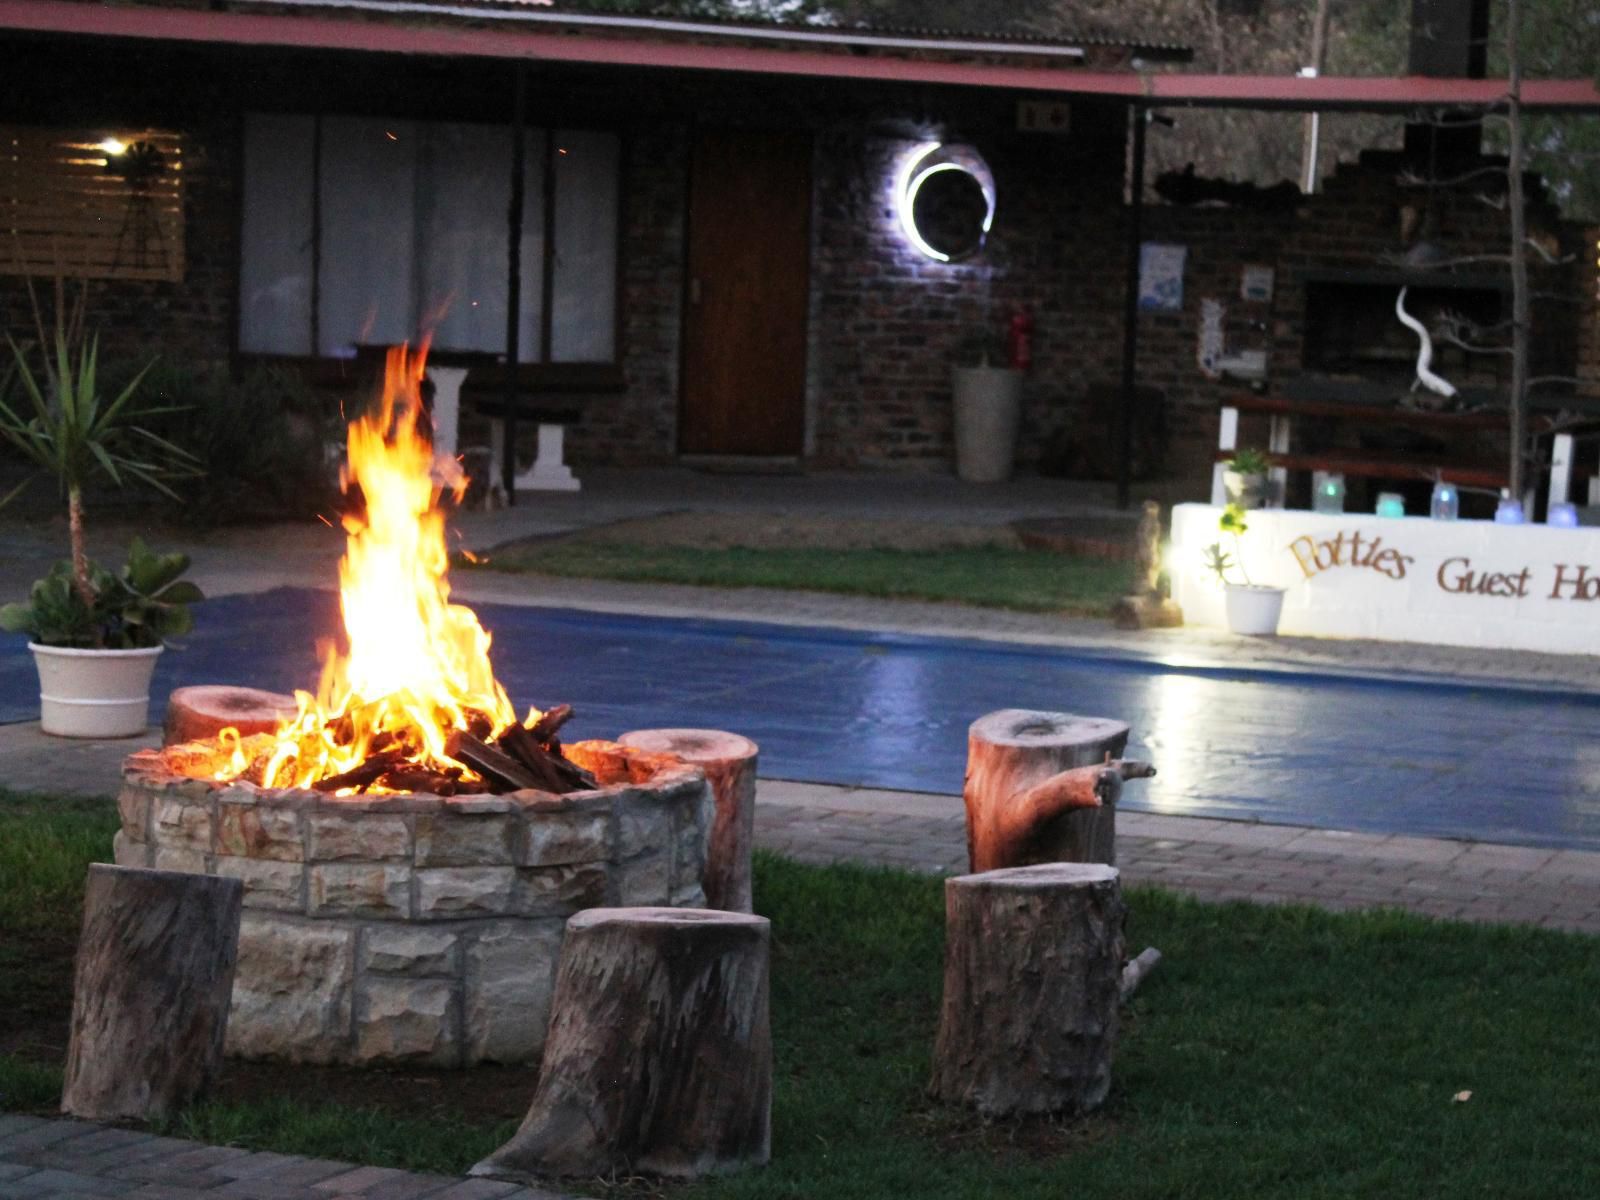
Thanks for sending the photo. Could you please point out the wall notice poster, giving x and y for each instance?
(1255, 283)
(1161, 276)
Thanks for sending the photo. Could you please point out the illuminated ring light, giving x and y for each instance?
(926, 161)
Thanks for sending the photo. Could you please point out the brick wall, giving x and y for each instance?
(886, 323)
(640, 424)
(188, 323)
(1352, 225)
(890, 323)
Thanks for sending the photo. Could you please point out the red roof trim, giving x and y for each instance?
(391, 37)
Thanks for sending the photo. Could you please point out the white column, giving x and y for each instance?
(1278, 443)
(1560, 467)
(1227, 439)
(447, 383)
(549, 472)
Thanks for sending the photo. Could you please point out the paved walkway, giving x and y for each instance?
(76, 1160)
(1213, 860)
(1209, 859)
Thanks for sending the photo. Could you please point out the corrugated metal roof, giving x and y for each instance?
(999, 32)
(355, 32)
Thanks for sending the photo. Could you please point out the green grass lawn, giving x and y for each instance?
(991, 576)
(46, 843)
(1280, 1052)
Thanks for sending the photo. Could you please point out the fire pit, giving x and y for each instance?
(407, 926)
(410, 847)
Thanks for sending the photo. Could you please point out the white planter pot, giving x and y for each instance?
(988, 403)
(94, 693)
(1247, 491)
(1254, 610)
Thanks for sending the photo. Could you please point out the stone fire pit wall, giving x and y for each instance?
(415, 928)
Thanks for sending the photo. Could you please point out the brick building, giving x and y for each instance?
(712, 258)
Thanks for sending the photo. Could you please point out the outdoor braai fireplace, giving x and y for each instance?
(410, 847)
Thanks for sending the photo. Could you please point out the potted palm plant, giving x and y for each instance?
(1252, 608)
(94, 634)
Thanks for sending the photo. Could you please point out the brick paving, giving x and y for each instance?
(1212, 859)
(58, 1159)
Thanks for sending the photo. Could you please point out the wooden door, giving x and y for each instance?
(744, 330)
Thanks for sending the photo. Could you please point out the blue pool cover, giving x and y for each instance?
(891, 711)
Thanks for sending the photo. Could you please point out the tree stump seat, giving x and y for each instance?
(729, 762)
(150, 991)
(1043, 787)
(1032, 983)
(659, 1055)
(202, 711)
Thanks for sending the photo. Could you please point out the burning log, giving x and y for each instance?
(421, 779)
(150, 991)
(557, 774)
(500, 769)
(366, 774)
(512, 762)
(544, 730)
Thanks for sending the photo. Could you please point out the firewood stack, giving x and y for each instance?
(520, 757)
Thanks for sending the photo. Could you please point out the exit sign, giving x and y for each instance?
(1044, 116)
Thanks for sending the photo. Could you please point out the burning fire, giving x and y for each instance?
(417, 667)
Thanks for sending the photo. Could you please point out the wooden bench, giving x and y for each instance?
(1364, 463)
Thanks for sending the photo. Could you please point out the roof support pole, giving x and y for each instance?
(1130, 309)
(519, 118)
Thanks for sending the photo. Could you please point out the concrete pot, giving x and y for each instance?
(94, 693)
(1253, 609)
(988, 404)
(1247, 491)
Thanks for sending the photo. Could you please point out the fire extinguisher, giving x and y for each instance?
(1019, 341)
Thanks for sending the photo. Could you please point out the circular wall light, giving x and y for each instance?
(945, 199)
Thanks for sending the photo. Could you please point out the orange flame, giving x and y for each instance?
(417, 666)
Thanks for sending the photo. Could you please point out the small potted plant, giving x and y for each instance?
(1244, 477)
(96, 657)
(94, 635)
(1252, 608)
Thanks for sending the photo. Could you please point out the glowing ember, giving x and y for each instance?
(417, 666)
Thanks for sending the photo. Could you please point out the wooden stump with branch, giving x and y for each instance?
(1032, 983)
(150, 994)
(659, 1055)
(1043, 787)
(729, 762)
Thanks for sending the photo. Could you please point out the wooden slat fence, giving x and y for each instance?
(64, 211)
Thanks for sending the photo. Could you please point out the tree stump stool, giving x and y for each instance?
(1043, 787)
(729, 762)
(203, 711)
(1032, 982)
(150, 992)
(659, 1055)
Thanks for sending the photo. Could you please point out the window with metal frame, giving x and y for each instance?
(360, 230)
